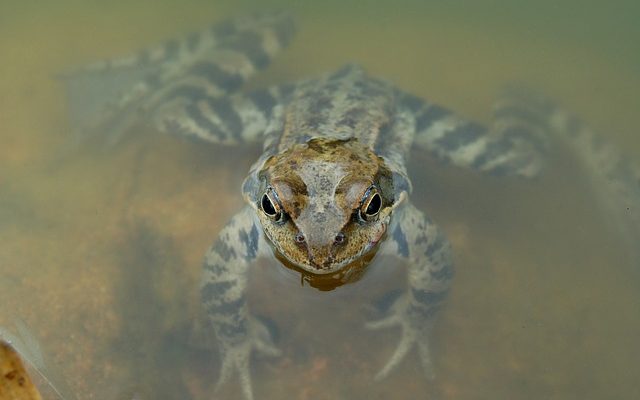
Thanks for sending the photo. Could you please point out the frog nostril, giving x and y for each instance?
(299, 238)
(340, 238)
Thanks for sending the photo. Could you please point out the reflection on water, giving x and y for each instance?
(101, 250)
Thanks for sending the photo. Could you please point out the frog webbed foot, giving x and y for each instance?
(414, 327)
(236, 355)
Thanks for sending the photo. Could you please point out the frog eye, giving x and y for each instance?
(371, 204)
(271, 206)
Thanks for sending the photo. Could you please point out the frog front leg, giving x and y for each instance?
(223, 291)
(417, 240)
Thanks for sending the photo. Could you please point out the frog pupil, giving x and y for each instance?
(374, 205)
(267, 206)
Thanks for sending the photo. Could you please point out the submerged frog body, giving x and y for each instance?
(331, 188)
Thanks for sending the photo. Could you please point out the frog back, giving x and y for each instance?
(345, 105)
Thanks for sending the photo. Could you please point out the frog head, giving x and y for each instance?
(324, 204)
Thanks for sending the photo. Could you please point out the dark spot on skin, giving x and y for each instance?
(461, 136)
(297, 209)
(226, 308)
(332, 86)
(344, 71)
(231, 331)
(226, 81)
(421, 238)
(366, 89)
(384, 303)
(225, 111)
(251, 241)
(196, 115)
(355, 113)
(189, 92)
(436, 245)
(217, 269)
(225, 251)
(428, 298)
(413, 103)
(492, 151)
(351, 117)
(263, 100)
(287, 89)
(401, 240)
(11, 375)
(443, 274)
(385, 140)
(249, 44)
(320, 104)
(400, 184)
(525, 133)
(349, 122)
(429, 116)
(319, 218)
(312, 122)
(271, 326)
(214, 290)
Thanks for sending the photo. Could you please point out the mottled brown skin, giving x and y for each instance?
(322, 186)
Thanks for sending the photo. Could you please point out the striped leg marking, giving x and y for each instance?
(417, 240)
(223, 291)
(227, 120)
(514, 144)
(211, 64)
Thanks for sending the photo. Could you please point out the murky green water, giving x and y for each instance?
(100, 252)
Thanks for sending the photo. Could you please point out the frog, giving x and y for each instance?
(331, 190)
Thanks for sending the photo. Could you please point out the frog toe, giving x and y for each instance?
(383, 323)
(236, 359)
(263, 342)
(425, 359)
(406, 343)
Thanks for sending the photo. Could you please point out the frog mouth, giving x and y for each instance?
(330, 279)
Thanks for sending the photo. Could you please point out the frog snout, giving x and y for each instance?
(321, 255)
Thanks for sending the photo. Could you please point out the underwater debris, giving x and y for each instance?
(15, 383)
(24, 345)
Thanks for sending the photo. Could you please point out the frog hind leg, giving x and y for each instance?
(107, 98)
(230, 120)
(223, 292)
(415, 239)
(515, 143)
(614, 177)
